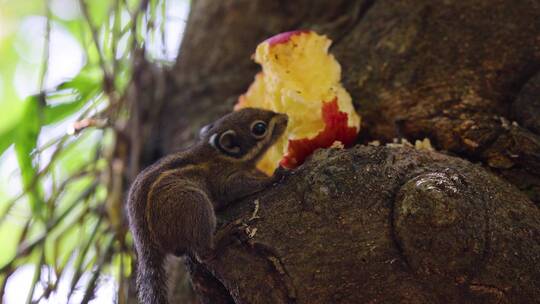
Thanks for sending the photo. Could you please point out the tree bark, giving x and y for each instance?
(382, 225)
(376, 224)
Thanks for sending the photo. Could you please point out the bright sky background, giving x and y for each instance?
(66, 58)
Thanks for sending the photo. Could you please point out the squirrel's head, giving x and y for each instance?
(246, 134)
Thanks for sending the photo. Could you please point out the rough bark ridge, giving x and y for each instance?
(383, 225)
(457, 72)
(378, 224)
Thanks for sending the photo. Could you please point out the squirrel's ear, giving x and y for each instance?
(213, 141)
(226, 142)
(204, 130)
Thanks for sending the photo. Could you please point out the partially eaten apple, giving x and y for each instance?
(300, 78)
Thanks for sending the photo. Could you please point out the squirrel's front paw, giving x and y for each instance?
(232, 232)
(281, 173)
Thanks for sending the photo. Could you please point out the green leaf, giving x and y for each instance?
(87, 81)
(10, 105)
(99, 10)
(56, 113)
(10, 232)
(27, 135)
(132, 5)
(7, 138)
(81, 89)
(76, 27)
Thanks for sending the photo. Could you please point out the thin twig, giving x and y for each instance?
(143, 6)
(60, 272)
(33, 182)
(60, 146)
(108, 79)
(82, 255)
(105, 258)
(163, 28)
(36, 277)
(26, 249)
(95, 38)
(115, 36)
(10, 270)
(151, 20)
(122, 290)
(126, 4)
(46, 46)
(72, 178)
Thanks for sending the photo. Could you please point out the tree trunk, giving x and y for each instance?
(375, 224)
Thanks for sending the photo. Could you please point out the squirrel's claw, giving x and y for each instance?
(230, 233)
(281, 173)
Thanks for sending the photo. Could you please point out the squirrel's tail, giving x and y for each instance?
(151, 279)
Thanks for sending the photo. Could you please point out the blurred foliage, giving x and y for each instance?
(57, 212)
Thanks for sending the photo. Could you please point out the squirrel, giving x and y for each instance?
(171, 204)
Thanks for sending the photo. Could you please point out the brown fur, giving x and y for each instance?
(171, 203)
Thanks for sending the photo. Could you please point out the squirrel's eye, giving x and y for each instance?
(258, 128)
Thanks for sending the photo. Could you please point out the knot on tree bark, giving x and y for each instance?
(380, 225)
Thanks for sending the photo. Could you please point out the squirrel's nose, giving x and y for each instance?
(282, 118)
